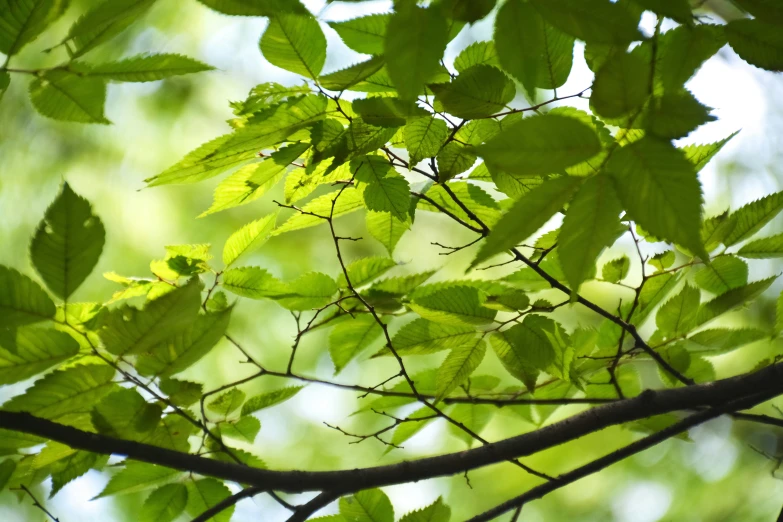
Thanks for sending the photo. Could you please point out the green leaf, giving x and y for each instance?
(345, 202)
(480, 91)
(476, 199)
(411, 426)
(467, 10)
(253, 282)
(454, 305)
(616, 270)
(65, 96)
(510, 349)
(253, 181)
(365, 270)
(519, 40)
(265, 94)
(164, 504)
(621, 85)
(659, 188)
(295, 43)
(21, 21)
(384, 111)
(70, 391)
(365, 34)
(598, 21)
(759, 43)
(70, 468)
(731, 299)
(590, 225)
(137, 476)
(422, 337)
(255, 7)
(104, 22)
(142, 68)
(722, 274)
(682, 51)
(348, 339)
(206, 493)
(769, 10)
(398, 286)
(181, 393)
(22, 300)
(5, 81)
(311, 290)
(26, 352)
(246, 428)
(748, 219)
(764, 248)
(183, 349)
(126, 414)
(268, 128)
(540, 145)
(248, 238)
(413, 46)
(663, 260)
(477, 53)
(350, 76)
(723, 340)
(269, 399)
(679, 10)
(677, 315)
(527, 215)
(435, 512)
(675, 115)
(386, 228)
(475, 417)
(227, 402)
(7, 468)
(126, 330)
(68, 243)
(385, 190)
(454, 159)
(371, 505)
(424, 137)
(459, 365)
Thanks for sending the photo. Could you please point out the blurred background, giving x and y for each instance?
(715, 476)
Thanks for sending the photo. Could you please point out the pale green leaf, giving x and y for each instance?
(164, 504)
(311, 290)
(411, 426)
(365, 270)
(371, 505)
(386, 228)
(422, 337)
(474, 417)
(722, 274)
(227, 402)
(454, 159)
(248, 238)
(763, 248)
(732, 299)
(701, 154)
(616, 270)
(480, 91)
(296, 43)
(103, 22)
(22, 300)
(385, 190)
(514, 358)
(365, 34)
(519, 40)
(461, 362)
(269, 399)
(21, 21)
(126, 414)
(26, 352)
(424, 137)
(758, 42)
(345, 202)
(66, 96)
(138, 476)
(70, 468)
(7, 468)
(476, 199)
(181, 393)
(748, 219)
(253, 282)
(206, 493)
(435, 512)
(246, 428)
(677, 315)
(142, 68)
(477, 53)
(454, 305)
(723, 340)
(350, 76)
(348, 339)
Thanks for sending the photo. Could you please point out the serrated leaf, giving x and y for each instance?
(679, 10)
(370, 505)
(769, 10)
(125, 414)
(104, 22)
(183, 349)
(296, 43)
(386, 111)
(66, 96)
(480, 91)
(616, 270)
(5, 81)
(248, 238)
(663, 260)
(461, 362)
(253, 282)
(70, 468)
(677, 315)
(365, 34)
(748, 219)
(142, 68)
(348, 339)
(411, 426)
(67, 243)
(653, 292)
(675, 115)
(758, 42)
(345, 202)
(413, 46)
(246, 428)
(164, 504)
(385, 190)
(22, 300)
(386, 228)
(227, 402)
(621, 85)
(26, 352)
(722, 274)
(255, 7)
(206, 493)
(700, 154)
(21, 21)
(477, 53)
(435, 512)
(519, 41)
(424, 136)
(350, 76)
(7, 468)
(476, 199)
(70, 391)
(763, 248)
(590, 225)
(181, 393)
(514, 358)
(453, 159)
(421, 337)
(137, 476)
(717, 341)
(454, 305)
(659, 189)
(732, 299)
(269, 399)
(475, 417)
(365, 270)
(540, 145)
(595, 21)
(528, 214)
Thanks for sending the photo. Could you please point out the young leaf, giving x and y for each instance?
(66, 96)
(350, 76)
(454, 159)
(181, 393)
(723, 340)
(295, 43)
(421, 337)
(659, 189)
(164, 504)
(335, 204)
(104, 22)
(677, 315)
(124, 413)
(748, 219)
(227, 402)
(386, 228)
(246, 428)
(413, 45)
(385, 111)
(595, 21)
(459, 365)
(590, 225)
(435, 512)
(424, 136)
(454, 305)
(386, 191)
(477, 92)
(206, 493)
(22, 300)
(473, 197)
(616, 270)
(253, 282)
(248, 238)
(731, 299)
(311, 290)
(477, 53)
(758, 42)
(67, 244)
(370, 505)
(514, 358)
(621, 85)
(411, 426)
(348, 339)
(540, 145)
(365, 34)
(137, 476)
(475, 417)
(764, 248)
(722, 274)
(363, 271)
(269, 399)
(26, 352)
(528, 214)
(142, 68)
(22, 21)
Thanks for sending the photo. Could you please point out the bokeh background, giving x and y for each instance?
(717, 475)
